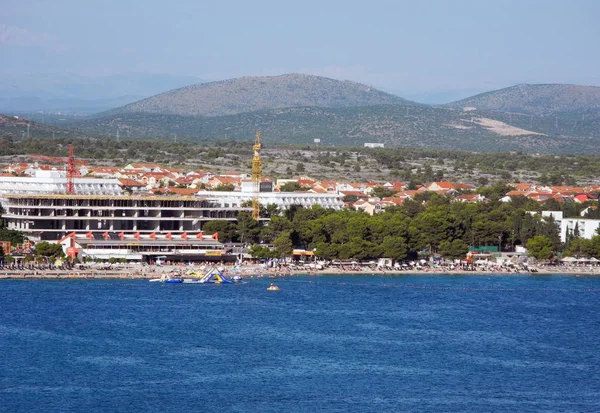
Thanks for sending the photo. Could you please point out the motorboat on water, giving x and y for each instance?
(272, 287)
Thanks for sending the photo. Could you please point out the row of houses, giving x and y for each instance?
(155, 179)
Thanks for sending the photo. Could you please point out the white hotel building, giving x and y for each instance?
(39, 207)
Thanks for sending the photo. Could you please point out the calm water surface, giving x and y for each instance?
(321, 344)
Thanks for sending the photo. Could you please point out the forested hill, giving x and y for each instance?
(540, 100)
(408, 126)
(247, 94)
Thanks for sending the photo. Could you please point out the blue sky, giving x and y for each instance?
(404, 47)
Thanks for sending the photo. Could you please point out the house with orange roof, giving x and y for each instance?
(329, 186)
(518, 193)
(465, 187)
(566, 190)
(20, 169)
(185, 181)
(523, 187)
(155, 179)
(306, 182)
(539, 196)
(131, 185)
(372, 207)
(317, 189)
(394, 200)
(219, 180)
(562, 198)
(395, 186)
(581, 198)
(407, 194)
(365, 187)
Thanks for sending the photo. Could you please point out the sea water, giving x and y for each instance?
(423, 343)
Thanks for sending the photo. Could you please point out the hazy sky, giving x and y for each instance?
(405, 47)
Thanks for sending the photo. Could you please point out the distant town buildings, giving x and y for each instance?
(150, 198)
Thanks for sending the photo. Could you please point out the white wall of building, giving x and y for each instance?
(283, 200)
(587, 227)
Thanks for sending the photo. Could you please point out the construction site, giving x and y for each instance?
(97, 218)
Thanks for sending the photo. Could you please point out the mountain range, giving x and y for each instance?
(297, 108)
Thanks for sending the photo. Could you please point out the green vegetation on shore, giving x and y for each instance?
(430, 224)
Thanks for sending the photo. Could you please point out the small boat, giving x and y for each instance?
(273, 287)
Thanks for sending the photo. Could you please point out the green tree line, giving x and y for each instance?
(430, 224)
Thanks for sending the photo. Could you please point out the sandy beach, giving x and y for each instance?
(257, 271)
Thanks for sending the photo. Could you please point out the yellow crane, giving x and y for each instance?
(256, 177)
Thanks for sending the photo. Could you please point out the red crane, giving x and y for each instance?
(70, 168)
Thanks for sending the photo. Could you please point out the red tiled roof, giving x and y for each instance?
(523, 187)
(444, 185)
(130, 182)
(356, 193)
(182, 191)
(394, 200)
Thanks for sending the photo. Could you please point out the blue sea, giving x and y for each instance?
(321, 344)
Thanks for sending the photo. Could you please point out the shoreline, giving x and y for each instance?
(255, 272)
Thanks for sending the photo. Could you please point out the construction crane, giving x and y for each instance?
(70, 168)
(256, 177)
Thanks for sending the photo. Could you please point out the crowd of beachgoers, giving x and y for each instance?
(258, 270)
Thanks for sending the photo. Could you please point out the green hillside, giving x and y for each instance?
(394, 125)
